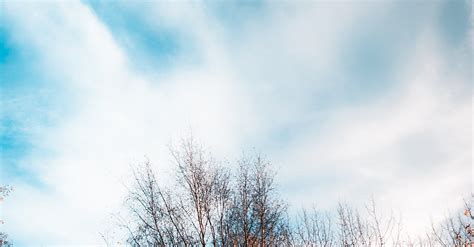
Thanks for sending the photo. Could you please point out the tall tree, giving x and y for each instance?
(209, 205)
(197, 178)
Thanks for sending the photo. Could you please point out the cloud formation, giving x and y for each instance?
(347, 100)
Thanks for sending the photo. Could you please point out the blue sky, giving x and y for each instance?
(348, 100)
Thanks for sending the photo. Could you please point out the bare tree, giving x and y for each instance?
(455, 230)
(4, 192)
(386, 230)
(371, 229)
(241, 215)
(196, 210)
(354, 230)
(314, 229)
(268, 209)
(197, 178)
(258, 216)
(219, 219)
(209, 205)
(158, 218)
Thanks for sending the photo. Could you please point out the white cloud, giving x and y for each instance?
(118, 118)
(410, 149)
(405, 148)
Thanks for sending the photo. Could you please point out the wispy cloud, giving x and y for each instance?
(348, 100)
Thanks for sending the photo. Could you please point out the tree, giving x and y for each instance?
(197, 178)
(194, 211)
(241, 215)
(202, 207)
(314, 228)
(368, 229)
(269, 211)
(258, 215)
(157, 218)
(220, 219)
(209, 204)
(4, 192)
(455, 230)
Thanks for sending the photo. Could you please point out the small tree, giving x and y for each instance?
(4, 192)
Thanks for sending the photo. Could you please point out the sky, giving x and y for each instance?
(348, 99)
